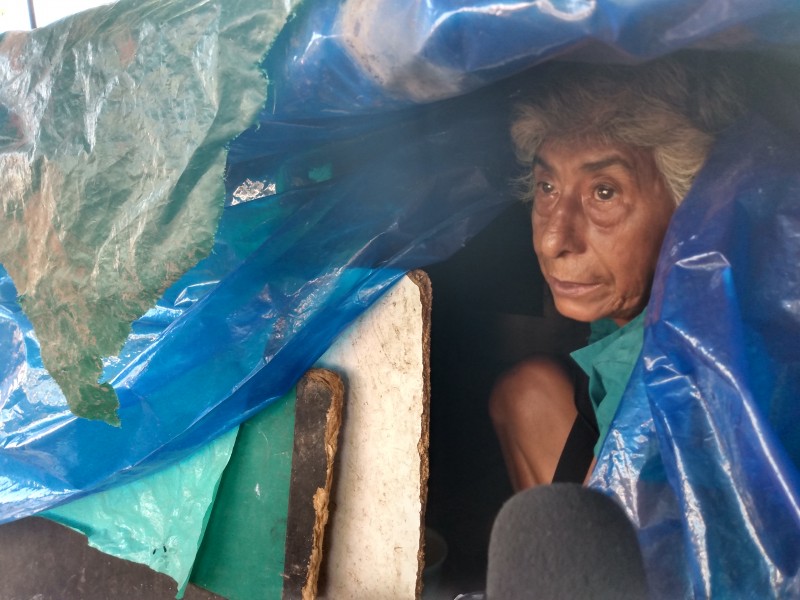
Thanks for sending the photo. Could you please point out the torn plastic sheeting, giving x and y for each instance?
(705, 448)
(114, 127)
(287, 273)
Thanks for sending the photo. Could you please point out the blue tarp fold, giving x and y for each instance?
(705, 448)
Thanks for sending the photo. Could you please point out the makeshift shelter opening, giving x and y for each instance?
(381, 146)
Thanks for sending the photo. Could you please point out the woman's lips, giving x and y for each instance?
(570, 288)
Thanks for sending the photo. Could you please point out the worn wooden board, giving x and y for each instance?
(318, 417)
(376, 528)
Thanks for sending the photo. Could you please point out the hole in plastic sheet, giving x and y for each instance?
(252, 190)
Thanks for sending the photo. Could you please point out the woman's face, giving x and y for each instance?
(599, 216)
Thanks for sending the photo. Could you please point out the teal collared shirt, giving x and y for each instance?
(609, 362)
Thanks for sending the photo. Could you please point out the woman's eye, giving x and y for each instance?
(604, 193)
(546, 188)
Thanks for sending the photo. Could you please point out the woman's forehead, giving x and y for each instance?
(592, 154)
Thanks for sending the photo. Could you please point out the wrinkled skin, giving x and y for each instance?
(599, 216)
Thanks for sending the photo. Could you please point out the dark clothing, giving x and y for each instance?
(578, 453)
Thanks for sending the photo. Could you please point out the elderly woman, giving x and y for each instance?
(612, 152)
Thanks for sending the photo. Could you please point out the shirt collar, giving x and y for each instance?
(608, 347)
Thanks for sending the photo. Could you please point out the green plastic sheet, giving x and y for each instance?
(242, 554)
(158, 520)
(219, 515)
(112, 176)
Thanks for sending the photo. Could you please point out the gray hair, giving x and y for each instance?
(671, 108)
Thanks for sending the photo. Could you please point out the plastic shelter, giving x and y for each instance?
(374, 141)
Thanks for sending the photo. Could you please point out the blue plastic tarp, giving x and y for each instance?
(705, 447)
(383, 147)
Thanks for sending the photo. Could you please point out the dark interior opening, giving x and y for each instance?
(491, 309)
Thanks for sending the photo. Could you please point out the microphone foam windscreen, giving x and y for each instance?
(563, 541)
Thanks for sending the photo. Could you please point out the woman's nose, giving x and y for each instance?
(561, 230)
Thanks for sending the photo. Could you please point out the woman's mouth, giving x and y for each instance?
(570, 288)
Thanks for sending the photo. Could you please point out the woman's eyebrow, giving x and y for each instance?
(601, 164)
(538, 161)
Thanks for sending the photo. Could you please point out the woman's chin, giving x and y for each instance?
(579, 311)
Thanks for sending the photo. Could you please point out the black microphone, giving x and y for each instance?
(564, 541)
